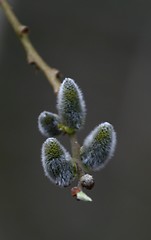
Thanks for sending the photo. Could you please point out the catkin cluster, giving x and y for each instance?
(97, 149)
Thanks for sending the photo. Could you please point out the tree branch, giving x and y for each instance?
(52, 74)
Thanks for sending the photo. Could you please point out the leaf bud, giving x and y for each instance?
(80, 195)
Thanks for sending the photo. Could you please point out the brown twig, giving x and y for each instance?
(33, 57)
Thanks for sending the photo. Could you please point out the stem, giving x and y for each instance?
(75, 148)
(33, 57)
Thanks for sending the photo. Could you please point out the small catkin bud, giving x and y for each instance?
(71, 105)
(87, 181)
(57, 163)
(99, 147)
(48, 124)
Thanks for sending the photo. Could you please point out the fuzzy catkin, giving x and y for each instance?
(57, 163)
(48, 124)
(99, 146)
(71, 105)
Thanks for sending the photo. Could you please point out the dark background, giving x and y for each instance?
(106, 47)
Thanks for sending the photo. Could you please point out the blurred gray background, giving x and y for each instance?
(106, 47)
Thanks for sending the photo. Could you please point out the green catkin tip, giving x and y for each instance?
(57, 163)
(83, 197)
(71, 105)
(99, 147)
(48, 124)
